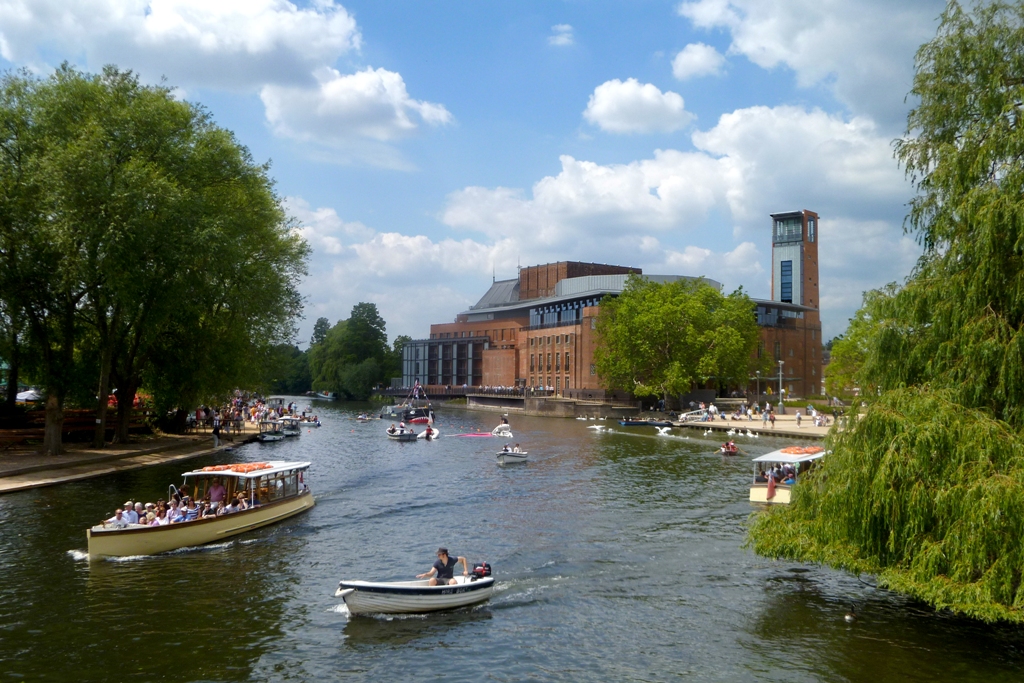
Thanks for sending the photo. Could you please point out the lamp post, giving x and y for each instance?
(782, 407)
(758, 397)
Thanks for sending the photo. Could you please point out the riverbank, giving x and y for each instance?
(27, 469)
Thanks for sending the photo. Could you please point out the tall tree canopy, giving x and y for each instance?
(663, 339)
(138, 238)
(926, 489)
(353, 356)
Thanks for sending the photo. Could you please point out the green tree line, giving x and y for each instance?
(140, 246)
(926, 487)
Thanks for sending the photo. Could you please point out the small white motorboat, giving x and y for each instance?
(509, 457)
(503, 430)
(290, 426)
(270, 431)
(413, 597)
(429, 434)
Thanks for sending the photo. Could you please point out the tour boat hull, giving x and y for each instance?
(149, 540)
(759, 493)
(412, 597)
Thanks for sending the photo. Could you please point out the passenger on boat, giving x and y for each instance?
(192, 512)
(240, 502)
(151, 519)
(516, 449)
(444, 569)
(118, 521)
(217, 493)
(506, 449)
(141, 513)
(129, 512)
(392, 429)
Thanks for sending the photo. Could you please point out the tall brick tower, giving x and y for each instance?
(795, 258)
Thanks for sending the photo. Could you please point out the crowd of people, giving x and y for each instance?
(779, 473)
(243, 407)
(180, 508)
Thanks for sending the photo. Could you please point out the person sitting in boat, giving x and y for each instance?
(118, 521)
(217, 493)
(516, 449)
(192, 511)
(392, 429)
(444, 568)
(506, 449)
(240, 502)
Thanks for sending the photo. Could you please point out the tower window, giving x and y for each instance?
(786, 281)
(810, 229)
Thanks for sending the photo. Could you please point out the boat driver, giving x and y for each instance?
(444, 568)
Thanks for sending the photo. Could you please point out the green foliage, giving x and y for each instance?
(353, 356)
(138, 241)
(320, 330)
(288, 370)
(923, 492)
(926, 489)
(664, 339)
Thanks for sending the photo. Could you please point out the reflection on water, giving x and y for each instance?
(618, 556)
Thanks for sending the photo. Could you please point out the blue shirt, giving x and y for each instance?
(445, 571)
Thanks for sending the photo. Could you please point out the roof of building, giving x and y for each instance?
(501, 293)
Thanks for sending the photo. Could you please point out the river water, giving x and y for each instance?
(618, 556)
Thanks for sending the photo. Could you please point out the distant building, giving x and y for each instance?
(539, 330)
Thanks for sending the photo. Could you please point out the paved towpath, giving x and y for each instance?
(25, 469)
(785, 426)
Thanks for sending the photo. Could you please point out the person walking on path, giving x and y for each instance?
(798, 419)
(771, 418)
(216, 430)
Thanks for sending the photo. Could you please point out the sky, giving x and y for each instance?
(423, 149)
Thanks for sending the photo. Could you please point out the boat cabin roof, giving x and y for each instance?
(275, 466)
(792, 458)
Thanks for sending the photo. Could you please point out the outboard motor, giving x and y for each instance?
(480, 570)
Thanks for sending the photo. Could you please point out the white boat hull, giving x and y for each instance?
(403, 436)
(412, 597)
(149, 540)
(509, 458)
(267, 438)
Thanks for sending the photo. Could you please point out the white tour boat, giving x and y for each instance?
(270, 431)
(273, 491)
(413, 597)
(291, 426)
(765, 489)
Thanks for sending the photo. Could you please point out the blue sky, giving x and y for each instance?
(422, 147)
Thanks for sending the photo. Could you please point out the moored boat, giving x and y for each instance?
(273, 491)
(400, 434)
(270, 431)
(290, 426)
(777, 472)
(413, 597)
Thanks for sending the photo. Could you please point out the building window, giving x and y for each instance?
(533, 381)
(593, 323)
(532, 339)
(814, 372)
(531, 362)
(503, 335)
(810, 229)
(567, 361)
(558, 383)
(814, 334)
(814, 352)
(549, 362)
(593, 369)
(786, 282)
(558, 362)
(778, 351)
(791, 353)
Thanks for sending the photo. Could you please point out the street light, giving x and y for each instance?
(782, 407)
(758, 399)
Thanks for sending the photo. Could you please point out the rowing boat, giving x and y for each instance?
(413, 597)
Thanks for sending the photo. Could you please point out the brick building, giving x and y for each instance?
(539, 330)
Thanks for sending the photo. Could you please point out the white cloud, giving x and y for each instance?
(372, 103)
(863, 51)
(561, 35)
(697, 59)
(631, 107)
(666, 213)
(232, 44)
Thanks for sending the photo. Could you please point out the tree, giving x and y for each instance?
(320, 330)
(393, 367)
(926, 489)
(138, 240)
(665, 339)
(353, 355)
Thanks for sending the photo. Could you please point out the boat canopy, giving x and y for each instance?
(791, 458)
(247, 471)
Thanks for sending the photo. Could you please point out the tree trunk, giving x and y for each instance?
(125, 403)
(54, 424)
(12, 376)
(100, 437)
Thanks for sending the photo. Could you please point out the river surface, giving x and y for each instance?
(618, 557)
